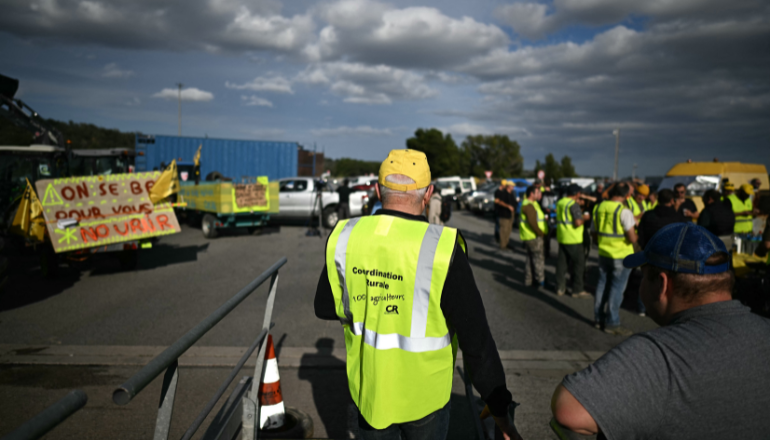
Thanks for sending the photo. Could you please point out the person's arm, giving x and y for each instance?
(324, 299)
(463, 308)
(628, 222)
(571, 414)
(577, 215)
(531, 214)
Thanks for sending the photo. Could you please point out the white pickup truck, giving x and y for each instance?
(297, 198)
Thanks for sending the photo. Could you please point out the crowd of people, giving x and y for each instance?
(700, 375)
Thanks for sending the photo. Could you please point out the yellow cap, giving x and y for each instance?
(410, 163)
(729, 186)
(504, 182)
(643, 190)
(748, 189)
(510, 183)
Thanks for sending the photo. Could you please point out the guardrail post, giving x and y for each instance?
(166, 405)
(250, 416)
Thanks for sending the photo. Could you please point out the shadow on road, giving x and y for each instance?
(26, 284)
(160, 255)
(330, 387)
(503, 268)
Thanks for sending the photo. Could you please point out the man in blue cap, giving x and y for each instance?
(701, 375)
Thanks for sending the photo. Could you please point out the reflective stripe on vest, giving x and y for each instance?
(566, 232)
(387, 292)
(743, 223)
(526, 232)
(612, 241)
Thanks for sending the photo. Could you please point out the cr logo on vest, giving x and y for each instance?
(391, 309)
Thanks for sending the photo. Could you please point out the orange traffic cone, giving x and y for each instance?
(272, 411)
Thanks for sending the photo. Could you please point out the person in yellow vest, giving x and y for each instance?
(532, 230)
(743, 208)
(614, 230)
(569, 234)
(652, 199)
(638, 203)
(404, 292)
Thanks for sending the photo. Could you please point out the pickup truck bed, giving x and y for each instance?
(297, 200)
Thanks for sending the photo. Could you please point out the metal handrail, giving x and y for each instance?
(136, 383)
(50, 417)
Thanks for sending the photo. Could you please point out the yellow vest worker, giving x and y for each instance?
(386, 276)
(612, 241)
(566, 232)
(743, 223)
(526, 232)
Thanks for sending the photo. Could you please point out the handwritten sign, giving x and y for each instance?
(83, 212)
(250, 195)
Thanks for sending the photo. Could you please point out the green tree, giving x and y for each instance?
(496, 153)
(346, 167)
(552, 168)
(567, 169)
(444, 158)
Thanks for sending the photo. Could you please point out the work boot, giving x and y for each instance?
(560, 293)
(583, 295)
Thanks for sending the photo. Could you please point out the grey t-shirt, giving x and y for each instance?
(704, 376)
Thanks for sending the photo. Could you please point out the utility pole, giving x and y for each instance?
(180, 85)
(617, 149)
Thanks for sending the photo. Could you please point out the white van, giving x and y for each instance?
(466, 184)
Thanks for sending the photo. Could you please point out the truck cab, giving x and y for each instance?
(297, 200)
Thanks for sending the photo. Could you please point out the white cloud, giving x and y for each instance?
(113, 71)
(255, 100)
(276, 84)
(362, 130)
(535, 20)
(188, 94)
(374, 33)
(362, 84)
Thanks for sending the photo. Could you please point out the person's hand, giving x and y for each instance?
(586, 215)
(511, 208)
(687, 213)
(508, 429)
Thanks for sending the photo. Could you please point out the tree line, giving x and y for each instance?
(80, 135)
(475, 155)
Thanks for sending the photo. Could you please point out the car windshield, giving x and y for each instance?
(696, 185)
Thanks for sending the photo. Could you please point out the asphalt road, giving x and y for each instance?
(185, 276)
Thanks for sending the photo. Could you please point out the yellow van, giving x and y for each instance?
(700, 177)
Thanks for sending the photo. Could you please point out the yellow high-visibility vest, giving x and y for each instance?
(612, 240)
(387, 275)
(566, 232)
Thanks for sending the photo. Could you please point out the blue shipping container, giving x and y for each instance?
(232, 158)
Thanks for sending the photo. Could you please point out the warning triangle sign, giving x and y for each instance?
(51, 197)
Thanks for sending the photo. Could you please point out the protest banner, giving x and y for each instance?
(84, 212)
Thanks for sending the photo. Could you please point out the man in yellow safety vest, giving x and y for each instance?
(743, 208)
(569, 234)
(404, 292)
(533, 229)
(614, 229)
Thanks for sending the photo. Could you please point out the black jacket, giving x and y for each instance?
(718, 218)
(464, 311)
(654, 220)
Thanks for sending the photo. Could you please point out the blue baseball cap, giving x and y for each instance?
(681, 247)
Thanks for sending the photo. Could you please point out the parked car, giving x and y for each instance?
(297, 200)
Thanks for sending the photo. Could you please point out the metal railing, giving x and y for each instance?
(168, 361)
(50, 417)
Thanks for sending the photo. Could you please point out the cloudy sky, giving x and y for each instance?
(680, 78)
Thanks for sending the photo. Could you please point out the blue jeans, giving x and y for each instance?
(613, 278)
(434, 426)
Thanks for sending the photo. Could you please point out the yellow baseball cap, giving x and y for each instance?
(504, 182)
(410, 163)
(748, 189)
(643, 190)
(510, 183)
(729, 186)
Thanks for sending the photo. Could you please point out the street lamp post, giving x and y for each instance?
(180, 85)
(617, 149)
